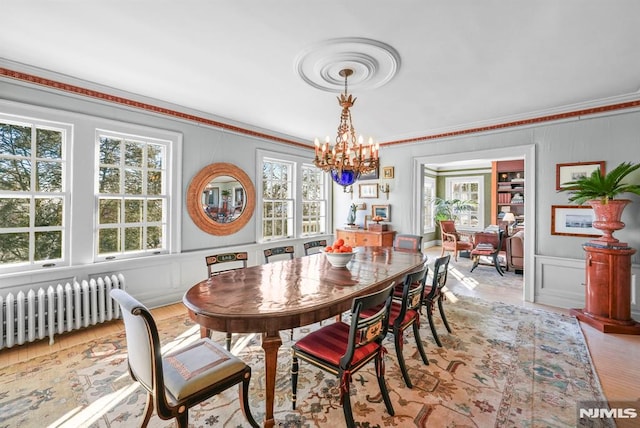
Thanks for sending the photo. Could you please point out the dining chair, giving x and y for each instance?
(452, 240)
(342, 349)
(214, 261)
(433, 295)
(311, 247)
(488, 244)
(408, 242)
(239, 260)
(405, 313)
(279, 253)
(183, 378)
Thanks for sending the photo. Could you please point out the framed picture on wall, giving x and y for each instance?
(383, 211)
(573, 220)
(387, 172)
(368, 190)
(371, 175)
(566, 172)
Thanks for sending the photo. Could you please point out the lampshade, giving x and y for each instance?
(509, 217)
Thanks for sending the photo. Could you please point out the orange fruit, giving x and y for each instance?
(339, 242)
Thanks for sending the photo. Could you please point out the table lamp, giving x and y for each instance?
(509, 218)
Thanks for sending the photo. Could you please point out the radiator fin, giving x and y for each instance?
(32, 314)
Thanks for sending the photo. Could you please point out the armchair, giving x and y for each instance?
(451, 239)
(515, 252)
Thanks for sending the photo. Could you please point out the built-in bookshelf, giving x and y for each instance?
(508, 178)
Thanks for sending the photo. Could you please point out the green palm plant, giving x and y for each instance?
(448, 209)
(602, 187)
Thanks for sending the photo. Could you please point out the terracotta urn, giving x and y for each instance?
(608, 220)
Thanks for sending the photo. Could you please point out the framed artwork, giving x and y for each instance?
(383, 211)
(373, 175)
(387, 172)
(368, 190)
(566, 172)
(573, 220)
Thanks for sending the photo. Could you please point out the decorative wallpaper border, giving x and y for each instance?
(65, 87)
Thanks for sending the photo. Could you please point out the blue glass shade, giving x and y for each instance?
(345, 177)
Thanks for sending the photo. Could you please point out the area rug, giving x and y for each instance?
(503, 366)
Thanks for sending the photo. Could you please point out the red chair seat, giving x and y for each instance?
(330, 344)
(488, 252)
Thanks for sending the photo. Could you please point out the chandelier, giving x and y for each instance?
(348, 158)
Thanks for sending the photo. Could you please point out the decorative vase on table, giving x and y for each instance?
(351, 218)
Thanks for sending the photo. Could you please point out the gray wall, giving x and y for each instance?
(555, 271)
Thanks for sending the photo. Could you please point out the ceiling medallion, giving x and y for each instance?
(373, 63)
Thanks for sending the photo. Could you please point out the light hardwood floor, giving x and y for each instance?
(615, 356)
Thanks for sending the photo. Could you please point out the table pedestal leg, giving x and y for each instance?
(270, 343)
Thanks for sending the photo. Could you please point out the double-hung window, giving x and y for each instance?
(467, 189)
(428, 197)
(132, 194)
(293, 200)
(34, 198)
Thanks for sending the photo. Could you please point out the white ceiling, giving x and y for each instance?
(461, 64)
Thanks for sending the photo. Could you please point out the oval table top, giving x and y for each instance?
(291, 293)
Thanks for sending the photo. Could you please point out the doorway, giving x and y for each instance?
(516, 152)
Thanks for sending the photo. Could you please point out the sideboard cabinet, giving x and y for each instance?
(366, 238)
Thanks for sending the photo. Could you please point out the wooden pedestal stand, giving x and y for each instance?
(608, 289)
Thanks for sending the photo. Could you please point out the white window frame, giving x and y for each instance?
(297, 163)
(80, 214)
(428, 203)
(38, 121)
(147, 136)
(479, 180)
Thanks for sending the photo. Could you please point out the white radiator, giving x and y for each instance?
(25, 317)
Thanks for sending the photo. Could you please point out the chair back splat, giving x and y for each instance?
(314, 246)
(279, 253)
(169, 381)
(342, 349)
(433, 295)
(239, 258)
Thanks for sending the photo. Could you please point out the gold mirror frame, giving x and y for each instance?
(194, 198)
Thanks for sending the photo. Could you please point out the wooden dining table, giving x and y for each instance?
(286, 294)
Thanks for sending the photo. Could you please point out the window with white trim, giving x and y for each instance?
(314, 200)
(428, 198)
(467, 189)
(131, 194)
(277, 199)
(34, 198)
(294, 197)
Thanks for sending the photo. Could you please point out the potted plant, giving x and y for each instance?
(600, 191)
(448, 209)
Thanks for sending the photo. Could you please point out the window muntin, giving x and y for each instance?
(428, 198)
(277, 199)
(467, 189)
(33, 195)
(131, 195)
(294, 199)
(314, 202)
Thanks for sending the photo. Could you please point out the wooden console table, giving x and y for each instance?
(366, 238)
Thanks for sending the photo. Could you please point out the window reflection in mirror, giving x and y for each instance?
(223, 199)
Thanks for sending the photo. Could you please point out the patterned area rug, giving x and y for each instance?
(503, 366)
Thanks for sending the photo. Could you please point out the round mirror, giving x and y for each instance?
(221, 199)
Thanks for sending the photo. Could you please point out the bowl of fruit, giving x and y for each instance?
(338, 254)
